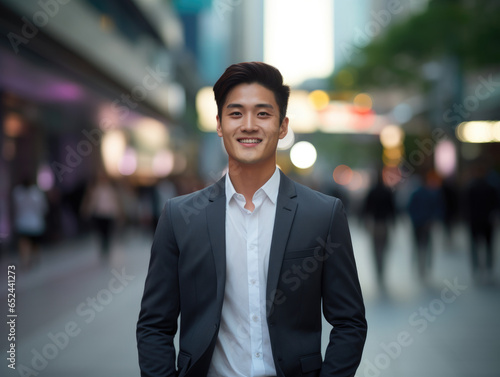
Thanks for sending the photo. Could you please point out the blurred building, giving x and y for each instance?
(88, 85)
(219, 33)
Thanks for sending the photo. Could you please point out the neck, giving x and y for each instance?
(247, 179)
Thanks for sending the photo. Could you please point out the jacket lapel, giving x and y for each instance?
(286, 207)
(216, 222)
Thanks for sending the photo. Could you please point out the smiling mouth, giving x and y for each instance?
(249, 141)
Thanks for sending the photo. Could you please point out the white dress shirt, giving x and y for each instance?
(243, 346)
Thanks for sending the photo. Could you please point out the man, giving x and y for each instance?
(379, 211)
(481, 205)
(248, 261)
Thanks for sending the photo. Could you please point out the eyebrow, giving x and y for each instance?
(237, 105)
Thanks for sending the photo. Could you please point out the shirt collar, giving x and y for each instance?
(270, 188)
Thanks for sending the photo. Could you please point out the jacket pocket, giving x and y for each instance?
(311, 252)
(311, 363)
(183, 361)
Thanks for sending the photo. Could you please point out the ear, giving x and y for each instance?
(284, 128)
(219, 126)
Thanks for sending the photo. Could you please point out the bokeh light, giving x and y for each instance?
(206, 109)
(363, 101)
(445, 158)
(495, 131)
(45, 178)
(478, 132)
(151, 134)
(13, 125)
(128, 162)
(393, 153)
(343, 175)
(303, 117)
(357, 181)
(303, 155)
(113, 147)
(163, 163)
(391, 136)
(319, 99)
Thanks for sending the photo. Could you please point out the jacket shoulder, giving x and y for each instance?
(185, 208)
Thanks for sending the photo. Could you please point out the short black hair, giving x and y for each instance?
(248, 73)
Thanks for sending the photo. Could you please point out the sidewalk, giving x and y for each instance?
(77, 315)
(446, 327)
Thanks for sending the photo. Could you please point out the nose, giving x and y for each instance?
(248, 124)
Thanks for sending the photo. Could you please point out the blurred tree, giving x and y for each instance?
(463, 31)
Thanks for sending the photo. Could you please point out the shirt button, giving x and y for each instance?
(257, 355)
(253, 281)
(255, 318)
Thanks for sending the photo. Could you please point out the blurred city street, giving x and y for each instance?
(80, 312)
(107, 110)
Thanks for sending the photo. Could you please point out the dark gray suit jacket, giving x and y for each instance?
(311, 263)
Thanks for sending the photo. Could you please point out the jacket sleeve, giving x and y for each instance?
(157, 324)
(343, 305)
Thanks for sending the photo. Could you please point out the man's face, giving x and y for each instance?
(249, 125)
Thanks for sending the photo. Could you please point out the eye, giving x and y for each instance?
(234, 114)
(263, 114)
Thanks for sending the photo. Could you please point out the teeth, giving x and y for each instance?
(249, 141)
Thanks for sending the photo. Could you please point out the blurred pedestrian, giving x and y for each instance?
(450, 209)
(102, 206)
(30, 208)
(379, 212)
(425, 207)
(481, 205)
